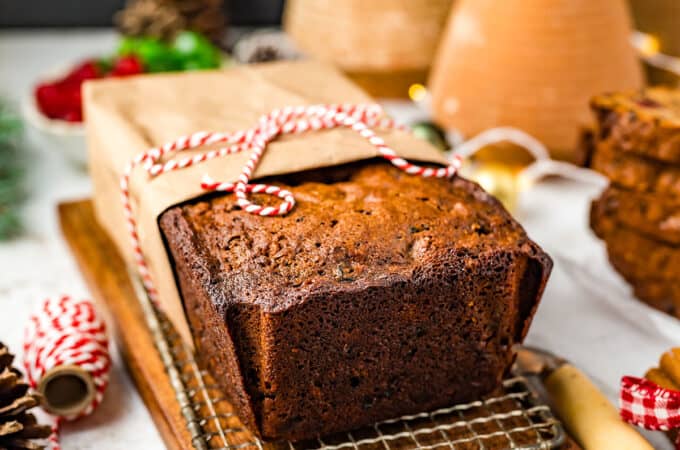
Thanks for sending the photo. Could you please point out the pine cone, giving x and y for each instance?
(165, 18)
(205, 16)
(18, 427)
(187, 7)
(265, 53)
(150, 18)
(210, 22)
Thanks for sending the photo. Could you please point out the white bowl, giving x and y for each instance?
(59, 135)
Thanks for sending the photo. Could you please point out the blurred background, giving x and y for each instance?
(75, 13)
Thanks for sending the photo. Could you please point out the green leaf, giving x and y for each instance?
(10, 225)
(12, 191)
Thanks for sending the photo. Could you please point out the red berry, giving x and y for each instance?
(127, 65)
(73, 116)
(87, 70)
(62, 99)
(49, 100)
(71, 98)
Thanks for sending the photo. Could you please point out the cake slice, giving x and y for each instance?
(660, 294)
(380, 294)
(635, 172)
(655, 216)
(634, 255)
(643, 243)
(645, 122)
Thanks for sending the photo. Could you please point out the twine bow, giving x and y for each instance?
(648, 405)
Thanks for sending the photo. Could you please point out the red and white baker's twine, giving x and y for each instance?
(67, 332)
(649, 406)
(289, 120)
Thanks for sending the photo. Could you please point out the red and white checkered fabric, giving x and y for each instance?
(649, 406)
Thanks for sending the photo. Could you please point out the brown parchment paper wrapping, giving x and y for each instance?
(128, 116)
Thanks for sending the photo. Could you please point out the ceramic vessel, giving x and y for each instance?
(532, 64)
(383, 44)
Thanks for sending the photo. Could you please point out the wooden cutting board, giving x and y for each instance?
(106, 275)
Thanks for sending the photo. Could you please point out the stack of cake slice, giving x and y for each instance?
(637, 146)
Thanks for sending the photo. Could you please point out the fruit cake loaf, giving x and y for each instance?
(380, 294)
(645, 122)
(655, 216)
(635, 172)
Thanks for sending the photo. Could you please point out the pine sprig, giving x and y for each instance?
(11, 173)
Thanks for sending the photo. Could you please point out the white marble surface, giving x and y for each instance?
(587, 314)
(39, 264)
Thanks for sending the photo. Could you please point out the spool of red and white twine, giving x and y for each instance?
(66, 356)
(360, 118)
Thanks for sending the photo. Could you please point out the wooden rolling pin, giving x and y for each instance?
(588, 415)
(585, 412)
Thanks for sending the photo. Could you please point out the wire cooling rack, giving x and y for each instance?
(512, 418)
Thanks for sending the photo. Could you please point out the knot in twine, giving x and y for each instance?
(361, 118)
(648, 405)
(66, 356)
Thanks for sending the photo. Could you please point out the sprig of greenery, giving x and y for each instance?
(11, 173)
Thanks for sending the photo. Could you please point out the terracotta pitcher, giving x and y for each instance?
(384, 45)
(532, 64)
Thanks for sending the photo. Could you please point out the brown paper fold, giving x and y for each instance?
(128, 116)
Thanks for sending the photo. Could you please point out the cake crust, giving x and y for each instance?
(380, 294)
(635, 172)
(652, 278)
(645, 122)
(634, 255)
(659, 294)
(655, 216)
